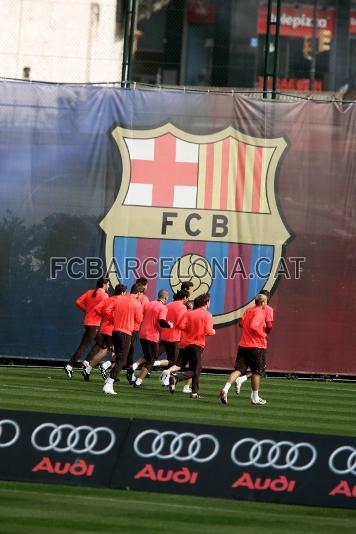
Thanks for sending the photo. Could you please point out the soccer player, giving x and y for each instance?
(103, 340)
(269, 325)
(188, 286)
(251, 350)
(126, 312)
(87, 303)
(131, 366)
(143, 282)
(171, 338)
(196, 324)
(154, 318)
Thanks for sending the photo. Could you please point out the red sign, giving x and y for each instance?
(201, 11)
(298, 21)
(352, 25)
(292, 84)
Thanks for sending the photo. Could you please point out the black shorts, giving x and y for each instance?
(104, 341)
(172, 351)
(183, 358)
(150, 352)
(252, 358)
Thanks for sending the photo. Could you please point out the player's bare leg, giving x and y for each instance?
(231, 379)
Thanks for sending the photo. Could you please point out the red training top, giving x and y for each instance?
(143, 300)
(87, 304)
(268, 311)
(175, 314)
(104, 309)
(253, 328)
(152, 313)
(197, 324)
(126, 312)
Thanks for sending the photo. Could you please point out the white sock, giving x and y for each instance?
(227, 387)
(109, 381)
(139, 381)
(85, 363)
(255, 396)
(242, 378)
(106, 365)
(134, 378)
(69, 367)
(156, 363)
(88, 369)
(134, 366)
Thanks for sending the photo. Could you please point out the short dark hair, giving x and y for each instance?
(140, 287)
(135, 289)
(142, 280)
(100, 284)
(201, 300)
(119, 289)
(181, 294)
(266, 293)
(186, 285)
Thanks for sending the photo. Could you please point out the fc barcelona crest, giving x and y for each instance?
(199, 208)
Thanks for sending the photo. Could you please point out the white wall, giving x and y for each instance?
(60, 40)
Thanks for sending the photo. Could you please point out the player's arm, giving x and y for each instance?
(110, 313)
(99, 308)
(269, 319)
(81, 302)
(163, 323)
(182, 323)
(269, 326)
(106, 309)
(138, 314)
(209, 328)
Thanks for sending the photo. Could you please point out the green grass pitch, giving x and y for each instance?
(296, 405)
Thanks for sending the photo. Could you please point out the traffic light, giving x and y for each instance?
(324, 40)
(308, 48)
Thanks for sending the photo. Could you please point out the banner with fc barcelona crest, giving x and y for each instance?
(234, 194)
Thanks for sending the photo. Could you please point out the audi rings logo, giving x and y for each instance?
(346, 456)
(268, 453)
(67, 438)
(9, 433)
(170, 445)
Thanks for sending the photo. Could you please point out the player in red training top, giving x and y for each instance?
(131, 366)
(170, 338)
(87, 303)
(250, 354)
(196, 324)
(126, 312)
(188, 286)
(269, 325)
(103, 340)
(154, 318)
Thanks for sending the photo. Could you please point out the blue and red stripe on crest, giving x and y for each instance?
(230, 289)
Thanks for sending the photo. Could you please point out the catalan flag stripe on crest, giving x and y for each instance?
(232, 176)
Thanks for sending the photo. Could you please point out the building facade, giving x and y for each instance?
(61, 40)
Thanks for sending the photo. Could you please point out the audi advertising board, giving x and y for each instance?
(256, 465)
(69, 449)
